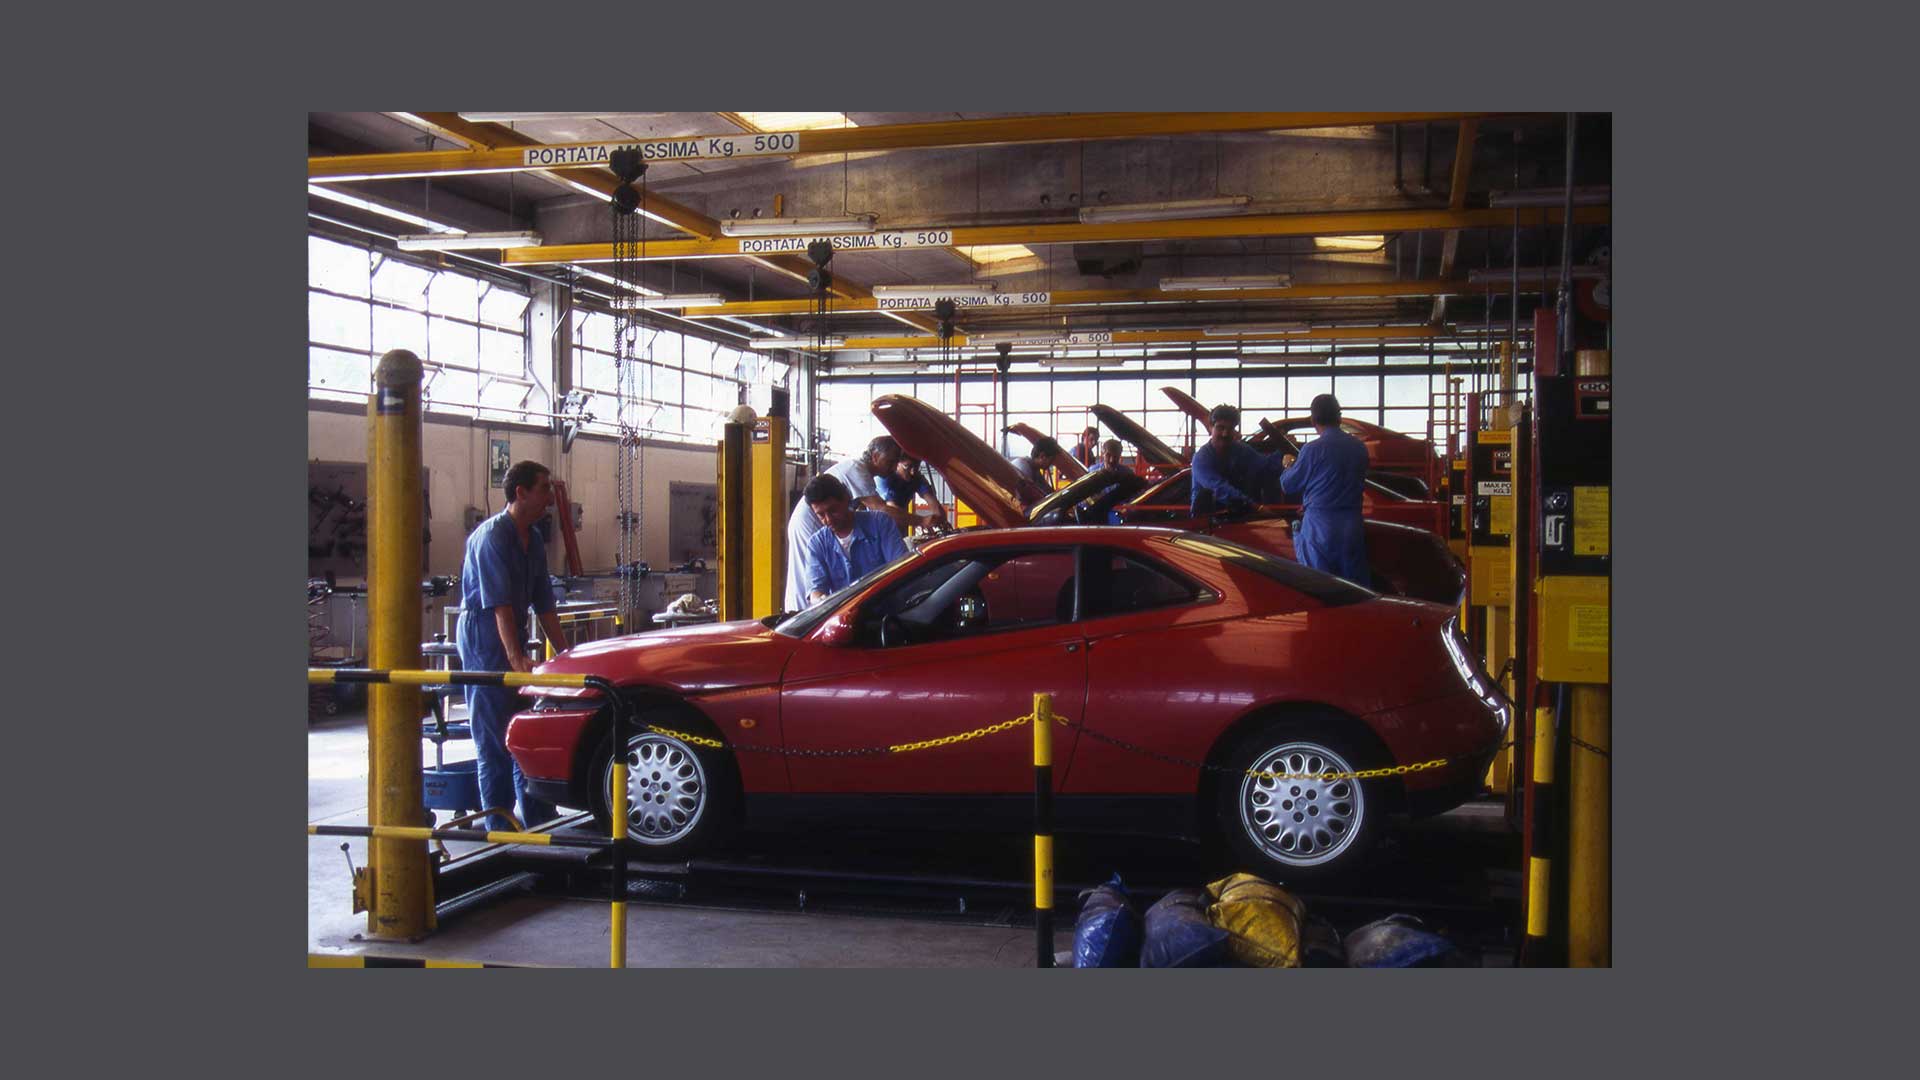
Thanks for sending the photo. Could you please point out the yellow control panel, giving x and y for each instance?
(1575, 629)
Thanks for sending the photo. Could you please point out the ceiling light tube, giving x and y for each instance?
(820, 226)
(1531, 275)
(935, 291)
(397, 214)
(1255, 328)
(1165, 211)
(1582, 196)
(670, 301)
(1083, 361)
(1226, 283)
(1017, 337)
(467, 241)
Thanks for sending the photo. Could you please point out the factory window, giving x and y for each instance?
(683, 388)
(469, 332)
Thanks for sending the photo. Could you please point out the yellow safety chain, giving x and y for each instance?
(963, 736)
(1361, 774)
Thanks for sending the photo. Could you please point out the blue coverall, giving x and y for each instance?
(1328, 478)
(1234, 478)
(497, 571)
(875, 544)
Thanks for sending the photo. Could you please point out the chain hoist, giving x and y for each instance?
(629, 251)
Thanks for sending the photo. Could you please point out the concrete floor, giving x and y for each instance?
(538, 931)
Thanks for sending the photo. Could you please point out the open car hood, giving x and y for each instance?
(1151, 450)
(979, 476)
(1069, 465)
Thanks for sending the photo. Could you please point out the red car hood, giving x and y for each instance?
(979, 476)
(1151, 450)
(687, 659)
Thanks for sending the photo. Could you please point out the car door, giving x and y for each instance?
(972, 638)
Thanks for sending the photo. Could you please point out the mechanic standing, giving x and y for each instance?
(1228, 470)
(504, 574)
(1328, 479)
(858, 474)
(849, 545)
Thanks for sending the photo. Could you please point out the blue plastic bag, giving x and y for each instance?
(1399, 941)
(1178, 933)
(1107, 933)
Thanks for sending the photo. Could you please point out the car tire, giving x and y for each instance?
(1293, 830)
(682, 799)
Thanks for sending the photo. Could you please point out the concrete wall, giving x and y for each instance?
(455, 452)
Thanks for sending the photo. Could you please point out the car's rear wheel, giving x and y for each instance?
(681, 799)
(1281, 814)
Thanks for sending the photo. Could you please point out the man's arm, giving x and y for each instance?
(504, 621)
(880, 505)
(939, 511)
(815, 571)
(1208, 477)
(1294, 480)
(556, 634)
(891, 545)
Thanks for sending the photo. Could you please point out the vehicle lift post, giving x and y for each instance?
(734, 542)
(399, 877)
(769, 511)
(1489, 512)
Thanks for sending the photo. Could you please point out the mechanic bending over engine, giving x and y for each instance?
(858, 474)
(1328, 479)
(503, 574)
(849, 545)
(900, 486)
(1033, 466)
(1227, 469)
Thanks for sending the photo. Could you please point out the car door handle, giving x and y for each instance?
(1074, 647)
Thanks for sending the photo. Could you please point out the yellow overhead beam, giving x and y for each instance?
(1326, 224)
(602, 182)
(1073, 297)
(1177, 337)
(1456, 200)
(511, 157)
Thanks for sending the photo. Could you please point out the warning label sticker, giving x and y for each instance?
(1493, 487)
(1500, 515)
(1587, 626)
(1592, 520)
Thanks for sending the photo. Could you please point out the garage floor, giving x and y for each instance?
(539, 930)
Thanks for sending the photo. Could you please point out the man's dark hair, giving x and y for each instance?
(882, 444)
(1090, 430)
(825, 488)
(1224, 414)
(1045, 446)
(1111, 446)
(523, 475)
(1325, 409)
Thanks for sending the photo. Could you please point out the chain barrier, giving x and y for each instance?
(992, 729)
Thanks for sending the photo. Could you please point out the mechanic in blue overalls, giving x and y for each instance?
(1327, 479)
(849, 545)
(504, 574)
(1228, 470)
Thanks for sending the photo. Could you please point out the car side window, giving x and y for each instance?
(987, 593)
(1119, 583)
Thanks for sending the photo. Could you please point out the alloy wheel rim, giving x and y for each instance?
(666, 789)
(1301, 820)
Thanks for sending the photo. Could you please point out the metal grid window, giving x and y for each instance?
(469, 332)
(686, 386)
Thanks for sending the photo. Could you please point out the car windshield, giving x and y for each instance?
(801, 623)
(1329, 590)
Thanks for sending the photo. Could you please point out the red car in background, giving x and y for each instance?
(1208, 688)
(1404, 560)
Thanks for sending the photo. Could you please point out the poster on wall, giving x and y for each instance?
(499, 460)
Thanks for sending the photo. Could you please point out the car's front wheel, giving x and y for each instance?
(1287, 810)
(680, 798)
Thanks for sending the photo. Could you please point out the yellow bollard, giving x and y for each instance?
(400, 873)
(768, 460)
(1540, 853)
(1589, 794)
(617, 930)
(1043, 826)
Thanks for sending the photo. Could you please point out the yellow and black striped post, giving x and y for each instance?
(1043, 826)
(617, 804)
(400, 874)
(1589, 840)
(1540, 842)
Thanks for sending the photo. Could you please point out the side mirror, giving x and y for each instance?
(837, 630)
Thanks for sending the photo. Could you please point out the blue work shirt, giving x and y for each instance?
(1234, 477)
(1328, 478)
(497, 571)
(895, 490)
(875, 544)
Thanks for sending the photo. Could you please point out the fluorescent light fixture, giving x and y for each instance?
(1531, 275)
(795, 121)
(671, 300)
(1255, 328)
(820, 226)
(1600, 195)
(1083, 361)
(1289, 358)
(793, 342)
(875, 369)
(1017, 337)
(936, 291)
(514, 117)
(1165, 211)
(1362, 242)
(371, 207)
(1228, 282)
(468, 241)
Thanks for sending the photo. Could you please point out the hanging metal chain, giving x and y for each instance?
(629, 249)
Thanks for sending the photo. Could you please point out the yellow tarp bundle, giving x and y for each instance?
(1262, 920)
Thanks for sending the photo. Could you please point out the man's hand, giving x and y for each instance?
(520, 664)
(1286, 461)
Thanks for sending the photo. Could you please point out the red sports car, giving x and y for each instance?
(1204, 682)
